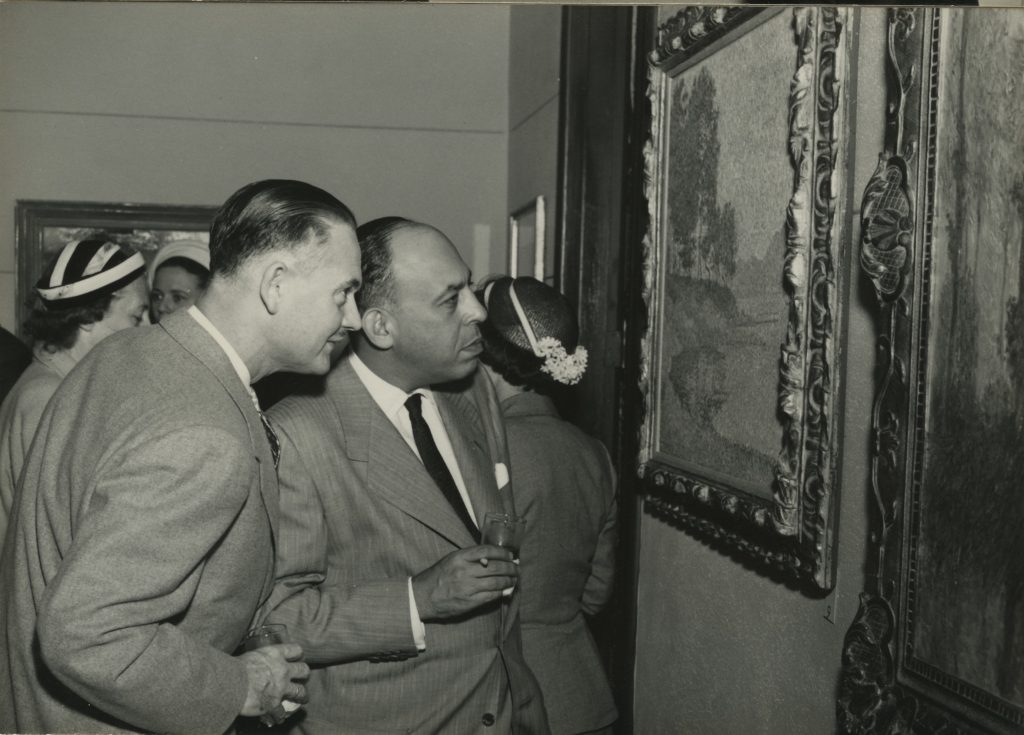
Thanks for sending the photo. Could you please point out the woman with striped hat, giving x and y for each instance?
(90, 290)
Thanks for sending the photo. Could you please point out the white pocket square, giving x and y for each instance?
(501, 474)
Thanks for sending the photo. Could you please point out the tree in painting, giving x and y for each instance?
(703, 234)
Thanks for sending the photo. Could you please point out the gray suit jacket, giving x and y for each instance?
(140, 545)
(359, 515)
(566, 490)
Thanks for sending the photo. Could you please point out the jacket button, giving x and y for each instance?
(487, 719)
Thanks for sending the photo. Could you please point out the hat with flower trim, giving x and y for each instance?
(536, 318)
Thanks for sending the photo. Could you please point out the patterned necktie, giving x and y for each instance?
(435, 464)
(275, 443)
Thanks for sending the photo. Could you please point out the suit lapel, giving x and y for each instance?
(394, 472)
(187, 332)
(482, 402)
(465, 431)
(478, 433)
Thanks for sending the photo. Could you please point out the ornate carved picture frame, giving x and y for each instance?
(740, 361)
(44, 227)
(938, 642)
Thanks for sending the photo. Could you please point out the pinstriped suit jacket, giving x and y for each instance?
(359, 515)
(141, 543)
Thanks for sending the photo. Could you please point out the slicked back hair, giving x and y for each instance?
(269, 215)
(378, 288)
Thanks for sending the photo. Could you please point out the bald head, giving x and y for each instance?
(378, 240)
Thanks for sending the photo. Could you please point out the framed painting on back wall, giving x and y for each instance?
(45, 227)
(740, 367)
(529, 253)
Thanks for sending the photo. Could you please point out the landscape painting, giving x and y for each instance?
(742, 281)
(725, 312)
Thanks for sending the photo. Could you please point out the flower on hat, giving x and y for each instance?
(549, 314)
(560, 365)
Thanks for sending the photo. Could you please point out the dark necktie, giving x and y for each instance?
(275, 443)
(434, 463)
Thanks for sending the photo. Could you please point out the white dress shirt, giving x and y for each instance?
(391, 401)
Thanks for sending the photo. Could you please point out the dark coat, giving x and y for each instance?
(14, 358)
(566, 490)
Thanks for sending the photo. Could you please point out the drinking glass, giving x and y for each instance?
(271, 634)
(505, 530)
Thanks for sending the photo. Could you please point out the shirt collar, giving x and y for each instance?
(390, 398)
(220, 339)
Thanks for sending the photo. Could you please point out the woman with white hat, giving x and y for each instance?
(178, 276)
(90, 290)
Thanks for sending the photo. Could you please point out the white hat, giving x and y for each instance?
(194, 250)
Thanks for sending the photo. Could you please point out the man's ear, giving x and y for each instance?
(378, 328)
(272, 282)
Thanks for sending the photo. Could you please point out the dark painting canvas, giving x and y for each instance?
(969, 591)
(937, 645)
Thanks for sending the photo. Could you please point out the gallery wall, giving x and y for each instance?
(533, 101)
(720, 649)
(397, 109)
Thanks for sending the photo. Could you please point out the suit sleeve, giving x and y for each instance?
(333, 622)
(598, 587)
(106, 621)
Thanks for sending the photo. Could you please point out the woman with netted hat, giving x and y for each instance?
(91, 289)
(178, 276)
(565, 487)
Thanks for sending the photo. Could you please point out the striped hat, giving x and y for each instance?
(86, 270)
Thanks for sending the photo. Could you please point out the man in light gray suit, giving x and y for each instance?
(409, 624)
(141, 546)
